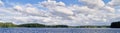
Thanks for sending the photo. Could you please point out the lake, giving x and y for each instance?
(59, 30)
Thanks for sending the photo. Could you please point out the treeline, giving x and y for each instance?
(115, 24)
(36, 25)
(6, 25)
(93, 26)
(31, 25)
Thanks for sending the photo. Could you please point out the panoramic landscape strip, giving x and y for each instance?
(36, 25)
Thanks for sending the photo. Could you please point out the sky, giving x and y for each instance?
(60, 12)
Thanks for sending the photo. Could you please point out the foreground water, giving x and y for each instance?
(59, 30)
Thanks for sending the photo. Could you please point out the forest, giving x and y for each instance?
(36, 25)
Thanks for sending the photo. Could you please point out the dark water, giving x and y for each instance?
(59, 30)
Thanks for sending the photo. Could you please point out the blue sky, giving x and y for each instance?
(67, 12)
(106, 1)
(68, 2)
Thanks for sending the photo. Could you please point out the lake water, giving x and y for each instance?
(59, 30)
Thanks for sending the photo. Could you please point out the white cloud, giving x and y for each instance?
(9, 12)
(51, 3)
(86, 14)
(108, 9)
(98, 5)
(19, 8)
(114, 3)
(1, 3)
(93, 3)
(27, 9)
(57, 7)
(93, 12)
(63, 10)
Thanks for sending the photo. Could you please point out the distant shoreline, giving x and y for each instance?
(36, 25)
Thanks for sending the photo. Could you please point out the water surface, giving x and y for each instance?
(59, 30)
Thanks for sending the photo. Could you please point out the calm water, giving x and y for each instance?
(59, 30)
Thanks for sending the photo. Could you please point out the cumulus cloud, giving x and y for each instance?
(93, 3)
(28, 9)
(108, 9)
(92, 12)
(18, 8)
(98, 4)
(57, 7)
(114, 3)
